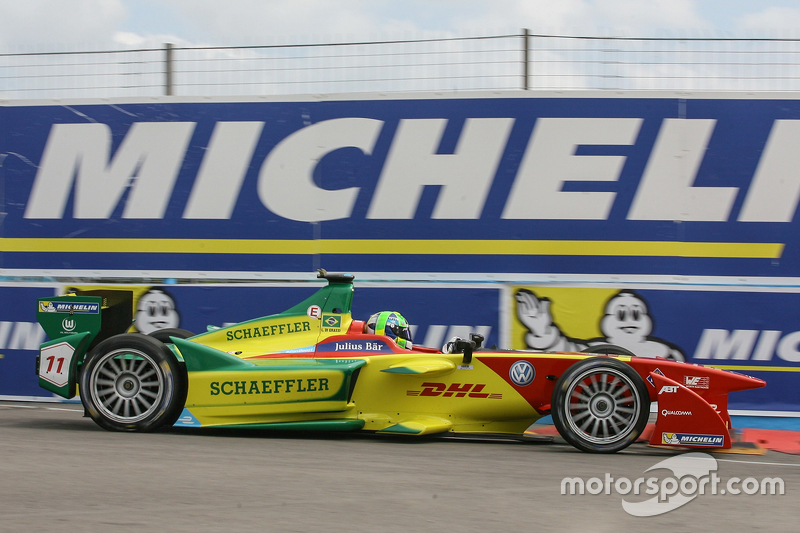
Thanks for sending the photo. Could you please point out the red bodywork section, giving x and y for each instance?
(686, 419)
(687, 388)
(699, 390)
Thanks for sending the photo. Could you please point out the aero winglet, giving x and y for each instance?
(685, 419)
(419, 425)
(199, 357)
(422, 366)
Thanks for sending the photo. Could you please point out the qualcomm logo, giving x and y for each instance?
(522, 373)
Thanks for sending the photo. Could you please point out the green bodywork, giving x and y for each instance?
(75, 323)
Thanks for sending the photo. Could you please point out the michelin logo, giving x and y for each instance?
(691, 439)
(81, 308)
(155, 152)
(748, 345)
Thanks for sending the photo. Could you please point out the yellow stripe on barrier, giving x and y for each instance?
(750, 250)
(756, 368)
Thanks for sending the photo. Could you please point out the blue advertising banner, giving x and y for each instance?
(517, 183)
(521, 188)
(744, 331)
(20, 337)
(435, 314)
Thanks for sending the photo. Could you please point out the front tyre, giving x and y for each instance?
(132, 382)
(164, 334)
(608, 349)
(600, 405)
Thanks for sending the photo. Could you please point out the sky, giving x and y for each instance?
(72, 25)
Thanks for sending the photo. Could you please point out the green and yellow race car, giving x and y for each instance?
(314, 367)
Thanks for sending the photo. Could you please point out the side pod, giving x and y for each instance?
(685, 419)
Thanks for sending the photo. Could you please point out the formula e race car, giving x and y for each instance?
(313, 367)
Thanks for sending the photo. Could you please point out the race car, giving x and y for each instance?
(314, 367)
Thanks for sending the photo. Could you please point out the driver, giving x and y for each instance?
(391, 324)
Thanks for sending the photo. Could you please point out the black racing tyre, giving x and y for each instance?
(608, 349)
(600, 405)
(164, 334)
(133, 382)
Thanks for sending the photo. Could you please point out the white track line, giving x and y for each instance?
(757, 462)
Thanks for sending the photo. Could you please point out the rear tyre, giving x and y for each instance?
(132, 382)
(600, 405)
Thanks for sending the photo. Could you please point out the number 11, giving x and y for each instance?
(50, 364)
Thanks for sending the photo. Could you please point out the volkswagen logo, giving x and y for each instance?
(522, 373)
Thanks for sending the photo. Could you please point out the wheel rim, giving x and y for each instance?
(602, 406)
(127, 384)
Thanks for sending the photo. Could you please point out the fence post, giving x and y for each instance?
(525, 43)
(168, 69)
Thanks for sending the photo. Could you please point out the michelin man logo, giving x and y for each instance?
(626, 323)
(543, 334)
(156, 310)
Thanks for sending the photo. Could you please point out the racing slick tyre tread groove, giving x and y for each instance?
(133, 382)
(600, 405)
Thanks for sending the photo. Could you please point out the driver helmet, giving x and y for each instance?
(391, 324)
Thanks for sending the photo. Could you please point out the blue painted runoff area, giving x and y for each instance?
(788, 423)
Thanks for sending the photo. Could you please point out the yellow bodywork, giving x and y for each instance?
(312, 365)
(392, 393)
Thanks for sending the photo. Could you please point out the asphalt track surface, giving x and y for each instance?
(60, 472)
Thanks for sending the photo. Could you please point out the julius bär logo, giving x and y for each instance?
(522, 373)
(455, 390)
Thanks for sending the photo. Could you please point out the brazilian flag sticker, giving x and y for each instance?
(331, 322)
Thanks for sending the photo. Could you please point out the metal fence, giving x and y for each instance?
(496, 62)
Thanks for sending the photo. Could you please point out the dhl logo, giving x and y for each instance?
(455, 390)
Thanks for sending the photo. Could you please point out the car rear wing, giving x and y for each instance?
(75, 323)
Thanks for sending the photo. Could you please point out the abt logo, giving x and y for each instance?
(668, 389)
(455, 390)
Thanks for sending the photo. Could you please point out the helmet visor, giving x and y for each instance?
(398, 332)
